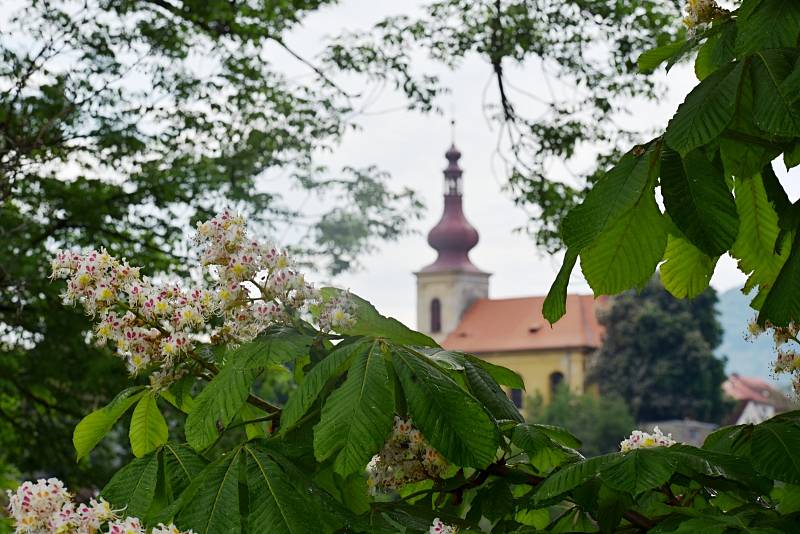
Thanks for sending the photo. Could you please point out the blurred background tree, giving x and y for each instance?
(599, 422)
(122, 122)
(658, 355)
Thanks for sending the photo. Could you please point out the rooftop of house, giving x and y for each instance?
(749, 388)
(517, 324)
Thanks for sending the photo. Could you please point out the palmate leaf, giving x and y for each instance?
(357, 417)
(716, 52)
(368, 322)
(487, 391)
(210, 505)
(282, 499)
(148, 428)
(639, 470)
(134, 486)
(451, 419)
(92, 428)
(627, 253)
(315, 381)
(686, 270)
(715, 464)
(706, 111)
(698, 201)
(775, 109)
(650, 60)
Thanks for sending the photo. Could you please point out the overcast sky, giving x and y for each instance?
(411, 147)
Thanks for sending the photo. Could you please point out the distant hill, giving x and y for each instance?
(748, 358)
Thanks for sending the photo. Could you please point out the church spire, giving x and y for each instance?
(453, 236)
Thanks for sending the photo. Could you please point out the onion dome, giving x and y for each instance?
(453, 236)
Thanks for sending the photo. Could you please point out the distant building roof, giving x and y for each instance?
(750, 388)
(517, 324)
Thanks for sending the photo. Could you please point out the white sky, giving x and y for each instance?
(411, 147)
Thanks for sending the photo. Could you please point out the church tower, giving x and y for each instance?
(447, 287)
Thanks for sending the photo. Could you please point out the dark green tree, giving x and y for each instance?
(658, 355)
(600, 423)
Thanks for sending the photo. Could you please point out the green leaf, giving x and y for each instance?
(767, 24)
(706, 111)
(452, 421)
(214, 503)
(502, 375)
(639, 470)
(543, 452)
(134, 486)
(774, 451)
(774, 107)
(571, 476)
(758, 233)
(282, 500)
(357, 417)
(782, 304)
(487, 391)
(686, 270)
(716, 52)
(148, 428)
(716, 464)
(181, 466)
(627, 253)
(220, 401)
(650, 60)
(331, 367)
(558, 434)
(699, 202)
(555, 304)
(368, 322)
(619, 190)
(97, 424)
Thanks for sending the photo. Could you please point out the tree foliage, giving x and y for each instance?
(120, 124)
(658, 355)
(713, 167)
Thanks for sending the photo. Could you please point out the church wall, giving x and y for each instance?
(536, 367)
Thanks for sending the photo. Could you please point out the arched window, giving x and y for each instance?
(436, 316)
(556, 379)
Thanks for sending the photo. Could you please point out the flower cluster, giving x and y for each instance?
(438, 527)
(155, 326)
(643, 440)
(45, 506)
(336, 313)
(700, 12)
(406, 457)
(787, 358)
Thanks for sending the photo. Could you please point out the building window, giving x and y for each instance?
(516, 397)
(436, 316)
(556, 379)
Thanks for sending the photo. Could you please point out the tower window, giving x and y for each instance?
(516, 397)
(556, 379)
(436, 316)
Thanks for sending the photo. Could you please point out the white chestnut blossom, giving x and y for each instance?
(643, 440)
(155, 327)
(46, 507)
(405, 457)
(699, 13)
(439, 527)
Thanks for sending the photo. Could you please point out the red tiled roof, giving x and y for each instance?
(749, 388)
(501, 325)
